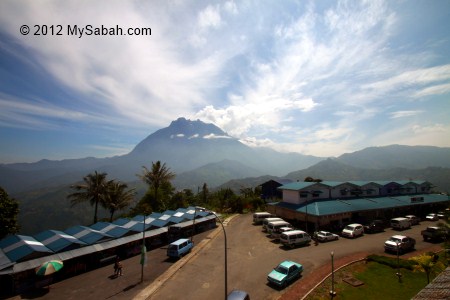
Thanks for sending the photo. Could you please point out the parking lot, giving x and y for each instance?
(252, 255)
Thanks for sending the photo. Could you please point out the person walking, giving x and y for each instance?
(118, 267)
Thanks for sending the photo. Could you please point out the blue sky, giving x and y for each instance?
(316, 77)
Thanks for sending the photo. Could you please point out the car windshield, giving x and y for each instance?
(395, 240)
(173, 247)
(281, 269)
(348, 227)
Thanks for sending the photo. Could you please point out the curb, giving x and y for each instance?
(147, 292)
(328, 276)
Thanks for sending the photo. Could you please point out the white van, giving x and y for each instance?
(295, 238)
(400, 223)
(267, 221)
(259, 217)
(273, 228)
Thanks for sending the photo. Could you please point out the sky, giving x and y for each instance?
(318, 77)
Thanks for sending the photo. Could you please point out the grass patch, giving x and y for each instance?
(380, 281)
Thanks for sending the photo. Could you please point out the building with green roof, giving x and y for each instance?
(331, 204)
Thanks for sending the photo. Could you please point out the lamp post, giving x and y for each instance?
(399, 275)
(226, 263)
(143, 250)
(332, 292)
(306, 216)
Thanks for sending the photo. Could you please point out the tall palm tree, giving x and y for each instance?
(93, 189)
(155, 177)
(118, 197)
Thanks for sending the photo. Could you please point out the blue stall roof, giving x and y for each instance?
(21, 247)
(111, 229)
(336, 206)
(58, 241)
(160, 223)
(88, 235)
(5, 262)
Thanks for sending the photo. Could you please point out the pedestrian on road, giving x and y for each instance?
(118, 267)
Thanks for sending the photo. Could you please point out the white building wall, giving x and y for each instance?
(291, 197)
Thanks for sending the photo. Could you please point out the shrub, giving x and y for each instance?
(392, 262)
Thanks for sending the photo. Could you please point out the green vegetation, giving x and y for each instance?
(9, 209)
(159, 196)
(110, 195)
(378, 275)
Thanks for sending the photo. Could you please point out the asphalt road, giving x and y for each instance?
(251, 256)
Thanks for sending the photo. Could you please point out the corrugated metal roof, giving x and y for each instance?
(58, 240)
(296, 186)
(88, 235)
(21, 247)
(110, 229)
(34, 263)
(5, 262)
(328, 207)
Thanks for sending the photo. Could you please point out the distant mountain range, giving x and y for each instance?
(184, 146)
(335, 170)
(202, 153)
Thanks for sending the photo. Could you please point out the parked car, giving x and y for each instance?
(259, 217)
(284, 273)
(374, 226)
(273, 228)
(400, 243)
(266, 222)
(441, 214)
(400, 223)
(276, 234)
(179, 248)
(432, 217)
(238, 295)
(325, 236)
(433, 233)
(353, 230)
(295, 238)
(413, 219)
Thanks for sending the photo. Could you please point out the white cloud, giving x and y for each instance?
(293, 76)
(405, 113)
(209, 17)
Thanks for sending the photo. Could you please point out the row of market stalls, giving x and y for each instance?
(82, 248)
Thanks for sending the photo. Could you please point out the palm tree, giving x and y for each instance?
(118, 197)
(427, 263)
(94, 190)
(158, 175)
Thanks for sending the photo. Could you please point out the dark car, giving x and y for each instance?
(238, 295)
(374, 226)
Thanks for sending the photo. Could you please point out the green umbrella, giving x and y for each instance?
(49, 267)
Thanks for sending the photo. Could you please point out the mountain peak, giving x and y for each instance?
(183, 127)
(179, 132)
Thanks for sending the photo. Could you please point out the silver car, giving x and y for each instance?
(325, 236)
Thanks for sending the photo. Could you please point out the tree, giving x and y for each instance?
(117, 197)
(9, 209)
(311, 179)
(93, 190)
(157, 176)
(427, 263)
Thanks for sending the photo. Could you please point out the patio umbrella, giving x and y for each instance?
(49, 267)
